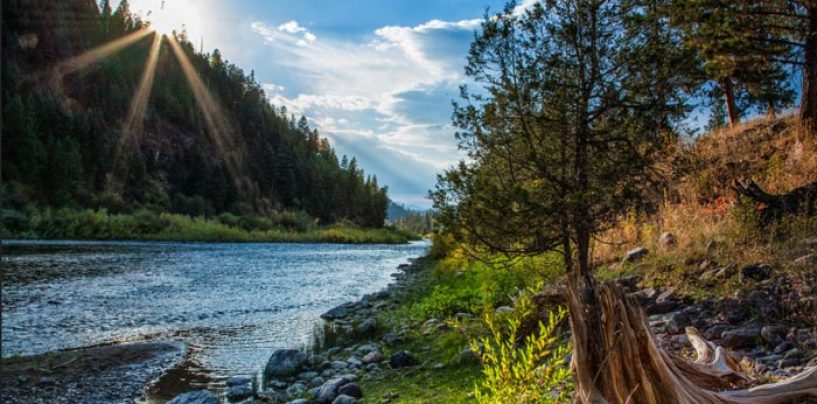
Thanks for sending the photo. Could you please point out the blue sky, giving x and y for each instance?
(375, 77)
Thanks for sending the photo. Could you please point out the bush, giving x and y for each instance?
(537, 371)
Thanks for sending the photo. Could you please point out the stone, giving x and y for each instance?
(351, 390)
(503, 309)
(340, 311)
(667, 295)
(635, 254)
(311, 374)
(667, 239)
(755, 272)
(402, 359)
(787, 363)
(662, 307)
(645, 295)
(463, 316)
(366, 348)
(742, 337)
(368, 327)
(391, 338)
(344, 399)
(808, 259)
(284, 363)
(239, 392)
(372, 357)
(329, 390)
(470, 356)
(299, 401)
(372, 367)
(727, 271)
(792, 353)
(339, 365)
(238, 380)
(196, 397)
(673, 322)
(773, 334)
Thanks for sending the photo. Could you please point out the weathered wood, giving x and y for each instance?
(635, 370)
(800, 201)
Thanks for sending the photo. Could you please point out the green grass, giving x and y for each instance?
(147, 225)
(447, 287)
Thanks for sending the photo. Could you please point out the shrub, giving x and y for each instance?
(535, 371)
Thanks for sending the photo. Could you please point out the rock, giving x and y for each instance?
(239, 392)
(351, 390)
(284, 363)
(755, 272)
(793, 353)
(635, 254)
(391, 338)
(743, 337)
(196, 397)
(402, 359)
(354, 361)
(783, 347)
(470, 356)
(338, 311)
(372, 367)
(727, 271)
(629, 283)
(661, 307)
(238, 380)
(773, 334)
(667, 239)
(366, 348)
(644, 296)
(503, 309)
(463, 316)
(299, 401)
(344, 399)
(808, 259)
(339, 365)
(709, 275)
(329, 390)
(372, 357)
(368, 327)
(668, 294)
(277, 384)
(307, 375)
(787, 363)
(317, 381)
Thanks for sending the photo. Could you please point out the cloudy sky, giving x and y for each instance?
(376, 77)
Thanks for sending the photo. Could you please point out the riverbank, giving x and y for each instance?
(67, 224)
(88, 374)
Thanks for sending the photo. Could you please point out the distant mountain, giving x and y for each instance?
(71, 137)
(398, 210)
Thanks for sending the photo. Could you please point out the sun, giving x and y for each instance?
(168, 16)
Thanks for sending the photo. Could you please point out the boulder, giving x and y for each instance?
(196, 397)
(402, 359)
(755, 272)
(773, 334)
(329, 390)
(351, 390)
(368, 327)
(299, 401)
(239, 392)
(391, 338)
(635, 254)
(372, 357)
(667, 240)
(344, 399)
(503, 309)
(238, 380)
(284, 363)
(340, 311)
(742, 337)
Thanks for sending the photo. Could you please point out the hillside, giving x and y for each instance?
(68, 141)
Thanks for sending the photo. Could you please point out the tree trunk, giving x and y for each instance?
(632, 369)
(808, 97)
(799, 201)
(729, 97)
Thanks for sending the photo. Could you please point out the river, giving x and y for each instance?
(232, 304)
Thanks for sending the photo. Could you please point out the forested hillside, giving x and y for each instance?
(63, 133)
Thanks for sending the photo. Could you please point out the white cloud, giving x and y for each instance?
(371, 97)
(292, 27)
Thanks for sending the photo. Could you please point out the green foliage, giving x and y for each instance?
(143, 224)
(531, 372)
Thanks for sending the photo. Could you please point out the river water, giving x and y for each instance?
(232, 304)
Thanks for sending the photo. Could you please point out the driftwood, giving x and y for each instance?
(800, 201)
(616, 359)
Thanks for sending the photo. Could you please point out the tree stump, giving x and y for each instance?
(633, 369)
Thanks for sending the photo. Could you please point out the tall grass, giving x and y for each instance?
(147, 225)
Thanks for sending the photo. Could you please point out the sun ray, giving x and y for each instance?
(132, 129)
(94, 56)
(217, 124)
